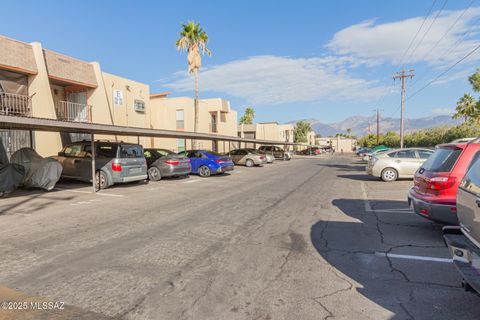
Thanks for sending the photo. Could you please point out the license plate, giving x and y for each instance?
(135, 170)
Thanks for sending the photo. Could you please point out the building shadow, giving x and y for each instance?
(344, 167)
(353, 245)
(358, 177)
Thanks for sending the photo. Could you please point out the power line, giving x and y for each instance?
(443, 73)
(428, 30)
(416, 34)
(448, 31)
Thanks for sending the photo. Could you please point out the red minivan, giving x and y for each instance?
(433, 195)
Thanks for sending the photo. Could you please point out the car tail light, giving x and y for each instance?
(441, 183)
(116, 167)
(262, 157)
(219, 161)
(172, 162)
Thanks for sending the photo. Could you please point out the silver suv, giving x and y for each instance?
(115, 162)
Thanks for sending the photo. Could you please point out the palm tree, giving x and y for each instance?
(193, 39)
(248, 116)
(466, 108)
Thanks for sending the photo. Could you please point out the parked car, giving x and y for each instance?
(247, 157)
(39, 172)
(277, 152)
(165, 163)
(433, 195)
(362, 151)
(464, 241)
(401, 163)
(115, 162)
(311, 151)
(205, 163)
(372, 154)
(270, 158)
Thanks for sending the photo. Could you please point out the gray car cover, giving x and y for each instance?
(39, 172)
(11, 175)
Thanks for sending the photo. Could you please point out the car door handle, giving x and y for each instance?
(478, 202)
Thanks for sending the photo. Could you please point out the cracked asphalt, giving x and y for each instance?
(312, 238)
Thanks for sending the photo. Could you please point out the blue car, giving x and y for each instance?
(205, 163)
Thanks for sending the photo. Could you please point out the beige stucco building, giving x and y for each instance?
(214, 117)
(42, 83)
(267, 131)
(338, 143)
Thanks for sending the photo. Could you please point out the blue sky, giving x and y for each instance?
(288, 59)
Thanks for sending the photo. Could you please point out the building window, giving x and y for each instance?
(139, 106)
(213, 122)
(180, 144)
(180, 119)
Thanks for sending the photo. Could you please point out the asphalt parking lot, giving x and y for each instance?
(311, 238)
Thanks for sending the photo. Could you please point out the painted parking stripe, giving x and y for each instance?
(71, 190)
(192, 181)
(410, 257)
(109, 194)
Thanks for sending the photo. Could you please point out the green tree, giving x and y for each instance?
(248, 116)
(193, 39)
(349, 131)
(467, 108)
(302, 128)
(474, 80)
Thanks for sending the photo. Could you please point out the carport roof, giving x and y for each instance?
(41, 124)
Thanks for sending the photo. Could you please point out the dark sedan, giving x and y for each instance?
(165, 163)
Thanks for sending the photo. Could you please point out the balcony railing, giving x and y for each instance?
(15, 104)
(72, 111)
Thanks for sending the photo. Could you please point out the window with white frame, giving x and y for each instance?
(180, 119)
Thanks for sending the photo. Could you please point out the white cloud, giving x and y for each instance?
(272, 80)
(373, 43)
(442, 111)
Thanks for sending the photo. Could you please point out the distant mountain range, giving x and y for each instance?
(360, 124)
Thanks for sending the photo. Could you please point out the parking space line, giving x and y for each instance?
(109, 194)
(410, 257)
(192, 181)
(71, 190)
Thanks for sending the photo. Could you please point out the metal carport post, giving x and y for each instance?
(92, 136)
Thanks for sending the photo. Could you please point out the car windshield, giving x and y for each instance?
(442, 160)
(251, 150)
(164, 152)
(131, 151)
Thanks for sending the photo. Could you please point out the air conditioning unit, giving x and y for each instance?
(139, 106)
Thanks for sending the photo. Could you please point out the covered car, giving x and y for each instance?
(11, 175)
(39, 172)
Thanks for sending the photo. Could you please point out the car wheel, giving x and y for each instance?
(101, 180)
(249, 163)
(204, 171)
(154, 174)
(389, 174)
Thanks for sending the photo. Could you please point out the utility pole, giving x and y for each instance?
(402, 75)
(378, 126)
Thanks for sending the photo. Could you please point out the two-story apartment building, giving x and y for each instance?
(38, 82)
(268, 131)
(214, 117)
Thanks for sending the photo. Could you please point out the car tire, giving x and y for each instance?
(249, 163)
(204, 171)
(389, 175)
(154, 174)
(101, 180)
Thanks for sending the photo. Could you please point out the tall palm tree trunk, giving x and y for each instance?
(195, 112)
